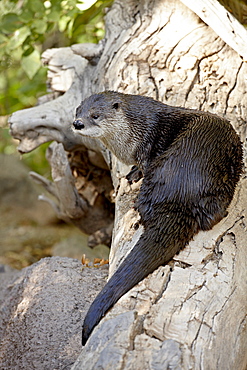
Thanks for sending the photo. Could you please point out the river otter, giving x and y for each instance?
(191, 162)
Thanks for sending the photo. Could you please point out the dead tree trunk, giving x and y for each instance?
(192, 314)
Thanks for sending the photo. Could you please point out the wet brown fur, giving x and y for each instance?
(191, 162)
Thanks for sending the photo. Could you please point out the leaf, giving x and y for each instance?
(3, 39)
(2, 56)
(28, 51)
(10, 22)
(37, 6)
(63, 22)
(26, 16)
(18, 38)
(70, 28)
(53, 16)
(39, 25)
(31, 63)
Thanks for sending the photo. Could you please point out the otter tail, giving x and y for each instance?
(155, 247)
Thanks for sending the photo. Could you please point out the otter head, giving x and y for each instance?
(95, 115)
(104, 116)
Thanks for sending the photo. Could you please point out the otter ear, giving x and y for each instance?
(78, 109)
(115, 106)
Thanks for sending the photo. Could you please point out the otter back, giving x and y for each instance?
(191, 162)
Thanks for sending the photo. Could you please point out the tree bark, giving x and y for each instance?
(192, 313)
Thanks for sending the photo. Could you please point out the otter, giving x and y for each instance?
(191, 162)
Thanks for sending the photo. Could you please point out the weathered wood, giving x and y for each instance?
(222, 22)
(50, 121)
(193, 315)
(78, 200)
(63, 185)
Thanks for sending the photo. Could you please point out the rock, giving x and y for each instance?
(42, 309)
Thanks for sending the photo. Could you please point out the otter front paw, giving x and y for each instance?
(134, 175)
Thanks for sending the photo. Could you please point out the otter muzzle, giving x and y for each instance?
(78, 125)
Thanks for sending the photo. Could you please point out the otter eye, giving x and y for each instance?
(115, 106)
(95, 116)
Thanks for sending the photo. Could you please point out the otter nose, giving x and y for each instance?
(78, 125)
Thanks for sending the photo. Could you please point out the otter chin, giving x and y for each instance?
(191, 162)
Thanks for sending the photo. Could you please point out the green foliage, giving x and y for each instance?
(27, 28)
(18, 91)
(35, 160)
(26, 25)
